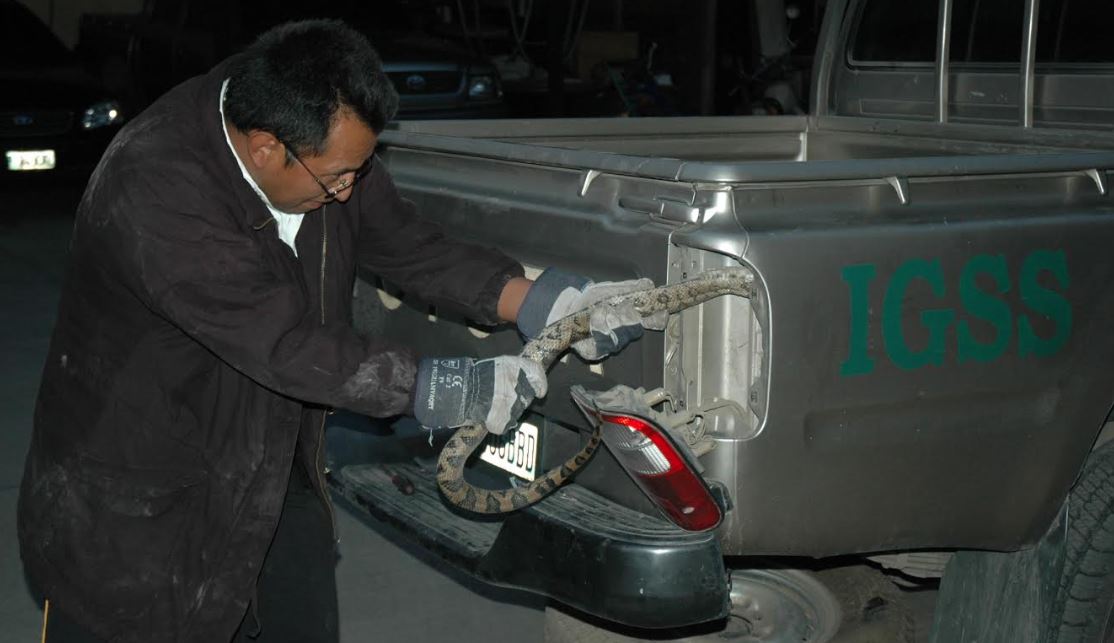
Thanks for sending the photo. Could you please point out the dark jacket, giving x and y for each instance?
(193, 356)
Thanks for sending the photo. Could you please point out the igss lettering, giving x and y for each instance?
(984, 282)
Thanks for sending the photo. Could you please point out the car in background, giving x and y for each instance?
(172, 40)
(55, 119)
(436, 80)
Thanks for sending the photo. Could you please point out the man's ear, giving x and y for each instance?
(264, 149)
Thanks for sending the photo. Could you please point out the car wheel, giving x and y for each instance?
(1084, 607)
(1059, 591)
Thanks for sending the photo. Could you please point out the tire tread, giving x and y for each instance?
(1087, 585)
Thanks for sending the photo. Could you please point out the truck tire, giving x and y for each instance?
(1084, 608)
(1061, 591)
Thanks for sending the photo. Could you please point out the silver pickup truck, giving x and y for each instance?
(921, 378)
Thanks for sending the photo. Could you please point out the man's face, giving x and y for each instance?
(291, 187)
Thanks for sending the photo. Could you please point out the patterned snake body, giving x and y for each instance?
(545, 349)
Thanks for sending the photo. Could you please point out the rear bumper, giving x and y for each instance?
(575, 547)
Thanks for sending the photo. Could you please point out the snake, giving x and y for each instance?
(550, 343)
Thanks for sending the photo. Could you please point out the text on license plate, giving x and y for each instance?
(25, 160)
(516, 451)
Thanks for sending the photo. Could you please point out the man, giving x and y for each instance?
(174, 487)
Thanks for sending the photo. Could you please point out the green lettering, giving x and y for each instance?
(986, 307)
(935, 320)
(1047, 303)
(858, 280)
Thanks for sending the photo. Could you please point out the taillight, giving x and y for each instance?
(653, 459)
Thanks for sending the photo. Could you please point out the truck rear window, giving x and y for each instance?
(983, 32)
(1076, 31)
(896, 32)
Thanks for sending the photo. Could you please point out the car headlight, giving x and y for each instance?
(102, 114)
(482, 86)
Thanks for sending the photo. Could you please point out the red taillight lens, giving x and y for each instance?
(659, 468)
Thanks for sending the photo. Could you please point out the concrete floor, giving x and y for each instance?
(388, 592)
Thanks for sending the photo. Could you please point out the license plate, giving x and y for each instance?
(30, 160)
(515, 452)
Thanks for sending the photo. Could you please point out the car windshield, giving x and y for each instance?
(28, 42)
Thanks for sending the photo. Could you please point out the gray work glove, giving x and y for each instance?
(558, 294)
(453, 392)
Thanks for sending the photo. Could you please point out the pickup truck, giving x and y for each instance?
(920, 379)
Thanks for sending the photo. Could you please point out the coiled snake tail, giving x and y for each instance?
(545, 349)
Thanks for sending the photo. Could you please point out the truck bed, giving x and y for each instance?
(747, 140)
(925, 365)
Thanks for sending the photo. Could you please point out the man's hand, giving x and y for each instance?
(557, 294)
(453, 392)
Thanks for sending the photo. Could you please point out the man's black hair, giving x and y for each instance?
(292, 80)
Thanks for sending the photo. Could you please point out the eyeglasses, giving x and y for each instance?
(344, 184)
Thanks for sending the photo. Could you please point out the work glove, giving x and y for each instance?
(556, 295)
(453, 392)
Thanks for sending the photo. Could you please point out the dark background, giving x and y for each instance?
(553, 55)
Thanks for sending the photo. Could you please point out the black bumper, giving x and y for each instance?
(575, 547)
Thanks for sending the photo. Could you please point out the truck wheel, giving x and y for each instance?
(1084, 609)
(769, 605)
